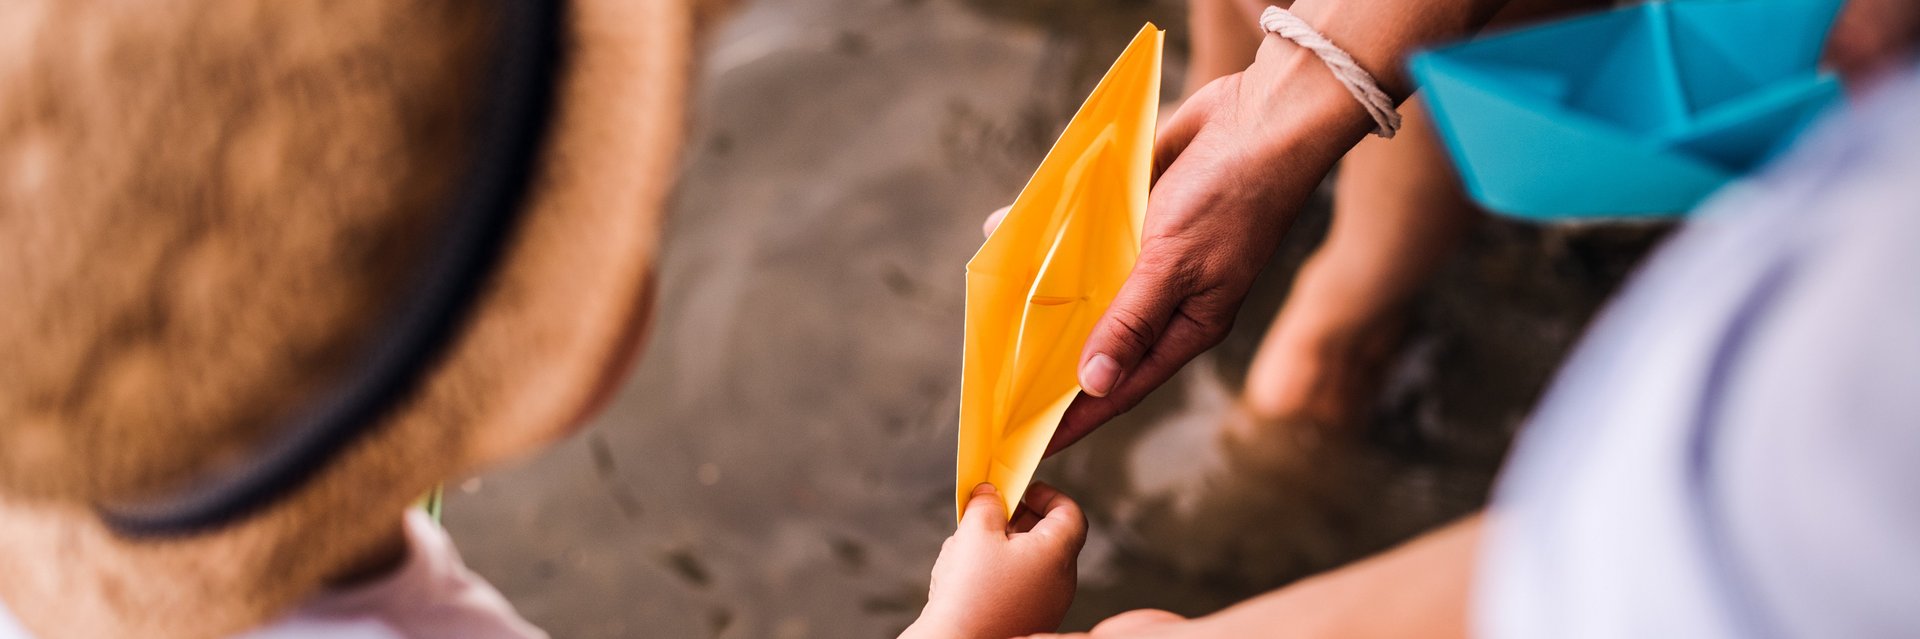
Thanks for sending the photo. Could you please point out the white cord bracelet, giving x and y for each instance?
(1361, 84)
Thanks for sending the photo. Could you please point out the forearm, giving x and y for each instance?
(1419, 589)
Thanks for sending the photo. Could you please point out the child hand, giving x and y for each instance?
(997, 579)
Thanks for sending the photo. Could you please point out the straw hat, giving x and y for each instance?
(211, 213)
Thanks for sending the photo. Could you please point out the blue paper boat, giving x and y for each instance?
(1635, 112)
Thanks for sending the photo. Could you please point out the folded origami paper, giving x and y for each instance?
(1640, 111)
(1037, 286)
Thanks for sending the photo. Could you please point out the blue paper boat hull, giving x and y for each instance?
(1637, 112)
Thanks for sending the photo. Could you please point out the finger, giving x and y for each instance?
(1040, 497)
(1061, 518)
(985, 513)
(1131, 326)
(993, 220)
(1187, 335)
(1024, 518)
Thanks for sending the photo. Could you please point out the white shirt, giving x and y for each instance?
(431, 596)
(1734, 450)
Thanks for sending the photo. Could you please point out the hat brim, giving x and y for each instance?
(561, 316)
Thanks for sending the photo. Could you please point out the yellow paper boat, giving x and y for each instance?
(1049, 272)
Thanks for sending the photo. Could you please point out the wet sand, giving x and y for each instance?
(780, 464)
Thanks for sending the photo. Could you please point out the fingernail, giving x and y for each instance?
(1099, 374)
(984, 488)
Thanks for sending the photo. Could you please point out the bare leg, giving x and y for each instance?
(1226, 33)
(1398, 214)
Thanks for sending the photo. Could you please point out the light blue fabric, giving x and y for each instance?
(10, 627)
(1734, 451)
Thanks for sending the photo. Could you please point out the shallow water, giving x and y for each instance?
(780, 465)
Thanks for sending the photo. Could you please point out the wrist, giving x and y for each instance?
(1295, 89)
(936, 623)
(987, 621)
(1303, 118)
(1382, 34)
(1377, 36)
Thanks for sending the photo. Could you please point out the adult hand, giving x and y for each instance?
(1233, 166)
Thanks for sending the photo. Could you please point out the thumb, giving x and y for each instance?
(1129, 328)
(985, 512)
(1132, 324)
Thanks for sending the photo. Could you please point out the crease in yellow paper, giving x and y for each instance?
(1047, 274)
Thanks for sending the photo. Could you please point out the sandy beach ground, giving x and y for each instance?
(780, 464)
